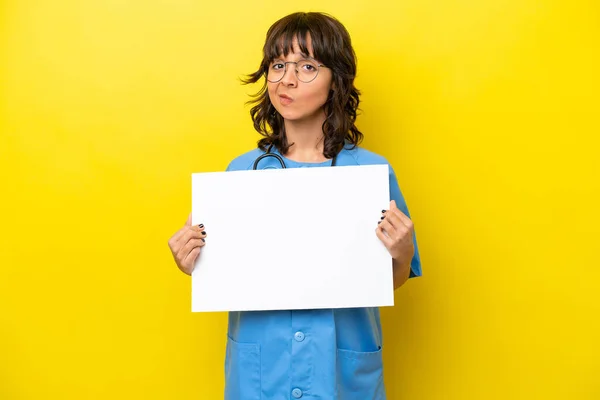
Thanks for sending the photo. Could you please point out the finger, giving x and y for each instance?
(187, 249)
(395, 220)
(403, 217)
(189, 220)
(388, 228)
(185, 235)
(392, 215)
(194, 232)
(179, 239)
(191, 258)
(386, 240)
(176, 238)
(183, 231)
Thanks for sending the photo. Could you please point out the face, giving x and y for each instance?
(296, 100)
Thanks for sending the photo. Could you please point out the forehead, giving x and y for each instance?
(291, 46)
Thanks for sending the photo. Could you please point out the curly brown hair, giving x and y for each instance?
(331, 45)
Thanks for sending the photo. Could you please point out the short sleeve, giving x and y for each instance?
(396, 194)
(235, 165)
(231, 166)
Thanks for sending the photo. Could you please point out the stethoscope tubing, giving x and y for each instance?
(278, 157)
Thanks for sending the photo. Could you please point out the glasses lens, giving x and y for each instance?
(307, 70)
(276, 71)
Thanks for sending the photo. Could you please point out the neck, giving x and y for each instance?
(307, 137)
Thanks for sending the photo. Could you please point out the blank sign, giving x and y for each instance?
(288, 239)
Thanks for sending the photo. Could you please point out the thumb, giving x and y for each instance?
(393, 205)
(189, 220)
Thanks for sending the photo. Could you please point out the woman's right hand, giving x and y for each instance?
(186, 244)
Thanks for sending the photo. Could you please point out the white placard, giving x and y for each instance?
(286, 239)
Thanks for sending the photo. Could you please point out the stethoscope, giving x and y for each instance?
(269, 154)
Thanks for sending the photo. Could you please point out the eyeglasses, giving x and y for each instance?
(306, 70)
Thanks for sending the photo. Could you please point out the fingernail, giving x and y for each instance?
(203, 232)
(378, 222)
(383, 211)
(201, 226)
(203, 240)
(383, 217)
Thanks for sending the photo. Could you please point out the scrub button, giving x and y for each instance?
(299, 336)
(297, 393)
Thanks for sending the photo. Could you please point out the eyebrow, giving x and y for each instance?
(304, 56)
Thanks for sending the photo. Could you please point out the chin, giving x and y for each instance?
(291, 115)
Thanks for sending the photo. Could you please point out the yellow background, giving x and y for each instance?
(488, 111)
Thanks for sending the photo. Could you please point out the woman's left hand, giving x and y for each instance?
(395, 230)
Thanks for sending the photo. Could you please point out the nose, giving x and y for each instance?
(289, 76)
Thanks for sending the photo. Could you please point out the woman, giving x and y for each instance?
(306, 113)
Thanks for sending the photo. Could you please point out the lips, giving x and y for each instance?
(285, 99)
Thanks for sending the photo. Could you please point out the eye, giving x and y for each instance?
(307, 66)
(277, 66)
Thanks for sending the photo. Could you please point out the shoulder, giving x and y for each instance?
(361, 156)
(244, 161)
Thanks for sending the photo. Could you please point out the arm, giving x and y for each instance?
(396, 232)
(403, 244)
(401, 273)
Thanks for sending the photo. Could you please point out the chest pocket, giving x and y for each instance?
(360, 375)
(242, 371)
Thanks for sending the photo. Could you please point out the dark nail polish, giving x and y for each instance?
(383, 217)
(201, 226)
(383, 211)
(378, 222)
(203, 232)
(203, 240)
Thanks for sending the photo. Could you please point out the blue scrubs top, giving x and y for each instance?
(308, 354)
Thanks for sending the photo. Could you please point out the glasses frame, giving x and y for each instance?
(285, 63)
